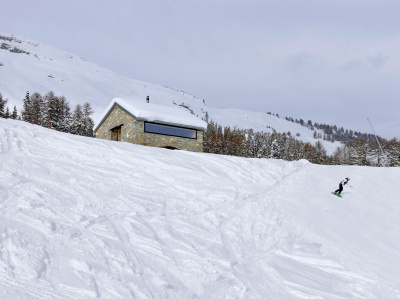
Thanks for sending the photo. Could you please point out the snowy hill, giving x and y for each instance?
(46, 68)
(87, 218)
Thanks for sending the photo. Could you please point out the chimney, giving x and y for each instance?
(147, 99)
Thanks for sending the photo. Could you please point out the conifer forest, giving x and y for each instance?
(53, 112)
(247, 143)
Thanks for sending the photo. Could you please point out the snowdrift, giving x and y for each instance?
(87, 218)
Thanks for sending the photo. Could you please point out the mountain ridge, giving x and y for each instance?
(46, 68)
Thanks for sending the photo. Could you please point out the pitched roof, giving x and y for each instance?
(142, 110)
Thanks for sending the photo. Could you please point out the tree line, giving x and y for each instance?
(247, 143)
(334, 133)
(52, 112)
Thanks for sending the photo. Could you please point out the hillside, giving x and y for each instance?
(46, 68)
(87, 218)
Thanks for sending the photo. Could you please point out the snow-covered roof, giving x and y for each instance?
(141, 110)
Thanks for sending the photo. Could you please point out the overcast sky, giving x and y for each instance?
(334, 62)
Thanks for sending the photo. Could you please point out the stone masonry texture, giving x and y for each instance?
(132, 131)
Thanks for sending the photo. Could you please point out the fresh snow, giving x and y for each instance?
(88, 218)
(156, 113)
(65, 73)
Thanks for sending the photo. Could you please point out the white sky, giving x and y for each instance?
(333, 62)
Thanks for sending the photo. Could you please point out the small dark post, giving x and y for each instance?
(147, 99)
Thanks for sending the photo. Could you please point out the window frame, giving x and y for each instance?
(170, 126)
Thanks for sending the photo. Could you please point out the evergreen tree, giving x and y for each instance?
(65, 115)
(275, 148)
(300, 150)
(209, 133)
(226, 141)
(206, 117)
(14, 115)
(88, 123)
(295, 149)
(258, 144)
(7, 114)
(311, 154)
(37, 109)
(213, 138)
(337, 156)
(219, 144)
(26, 109)
(77, 126)
(393, 153)
(361, 152)
(320, 156)
(52, 112)
(3, 104)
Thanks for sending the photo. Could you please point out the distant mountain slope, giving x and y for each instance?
(89, 218)
(46, 68)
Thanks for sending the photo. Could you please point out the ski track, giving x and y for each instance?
(83, 218)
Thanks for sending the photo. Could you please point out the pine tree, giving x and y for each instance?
(360, 155)
(206, 117)
(213, 140)
(208, 137)
(265, 144)
(77, 126)
(3, 104)
(14, 115)
(275, 149)
(300, 150)
(292, 151)
(36, 109)
(26, 109)
(311, 153)
(393, 153)
(226, 141)
(88, 123)
(65, 115)
(52, 111)
(337, 156)
(7, 114)
(320, 156)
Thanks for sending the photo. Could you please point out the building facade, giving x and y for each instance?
(120, 124)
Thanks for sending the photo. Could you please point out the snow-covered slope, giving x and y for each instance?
(87, 218)
(47, 68)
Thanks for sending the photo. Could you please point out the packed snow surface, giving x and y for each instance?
(88, 218)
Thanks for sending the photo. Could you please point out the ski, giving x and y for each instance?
(336, 194)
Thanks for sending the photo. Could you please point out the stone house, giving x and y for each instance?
(141, 122)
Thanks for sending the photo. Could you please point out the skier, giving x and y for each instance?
(341, 184)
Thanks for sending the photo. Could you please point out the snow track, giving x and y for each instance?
(86, 218)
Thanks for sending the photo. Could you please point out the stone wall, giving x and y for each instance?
(132, 131)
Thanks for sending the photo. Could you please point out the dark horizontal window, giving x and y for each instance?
(170, 130)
